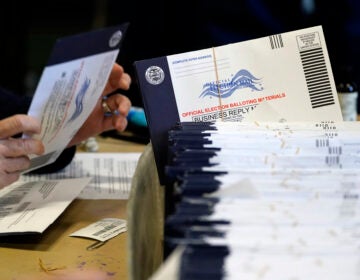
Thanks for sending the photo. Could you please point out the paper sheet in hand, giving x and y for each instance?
(286, 76)
(70, 87)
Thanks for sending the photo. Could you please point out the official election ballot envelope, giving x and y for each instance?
(283, 77)
(70, 86)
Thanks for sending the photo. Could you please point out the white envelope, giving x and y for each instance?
(286, 76)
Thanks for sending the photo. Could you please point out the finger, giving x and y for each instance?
(18, 124)
(15, 147)
(120, 123)
(14, 165)
(7, 179)
(116, 121)
(117, 79)
(120, 103)
(11, 168)
(125, 81)
(118, 117)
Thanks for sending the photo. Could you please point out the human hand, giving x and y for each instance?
(14, 151)
(119, 104)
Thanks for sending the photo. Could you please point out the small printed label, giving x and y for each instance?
(102, 230)
(308, 41)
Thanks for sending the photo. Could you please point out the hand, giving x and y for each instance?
(14, 151)
(97, 122)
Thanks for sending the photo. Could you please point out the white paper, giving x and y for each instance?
(33, 206)
(65, 96)
(111, 174)
(229, 82)
(284, 146)
(102, 230)
(269, 266)
(287, 206)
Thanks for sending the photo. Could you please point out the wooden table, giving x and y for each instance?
(20, 256)
(118, 146)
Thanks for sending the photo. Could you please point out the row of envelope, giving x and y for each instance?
(265, 200)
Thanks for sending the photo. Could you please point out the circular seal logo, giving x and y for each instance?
(154, 75)
(115, 39)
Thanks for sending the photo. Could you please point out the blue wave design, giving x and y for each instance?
(79, 100)
(242, 79)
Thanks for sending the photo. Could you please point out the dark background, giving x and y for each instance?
(157, 28)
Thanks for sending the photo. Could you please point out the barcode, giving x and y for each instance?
(40, 160)
(10, 199)
(5, 211)
(13, 198)
(317, 78)
(335, 150)
(276, 41)
(16, 195)
(23, 206)
(322, 143)
(332, 160)
(107, 228)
